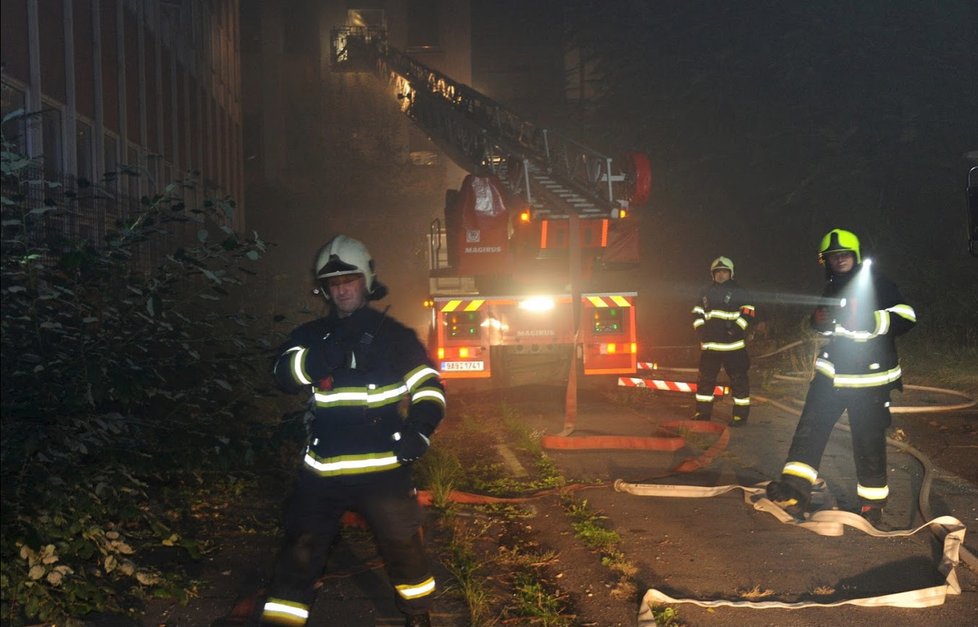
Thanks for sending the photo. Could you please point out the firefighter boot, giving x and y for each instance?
(417, 620)
(788, 497)
(873, 514)
(704, 407)
(741, 411)
(703, 411)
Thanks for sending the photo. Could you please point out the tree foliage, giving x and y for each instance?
(127, 378)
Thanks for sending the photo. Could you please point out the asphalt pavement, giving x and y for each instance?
(689, 548)
(720, 548)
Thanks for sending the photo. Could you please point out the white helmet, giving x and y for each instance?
(722, 263)
(345, 255)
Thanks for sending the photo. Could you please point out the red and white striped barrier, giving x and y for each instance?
(667, 386)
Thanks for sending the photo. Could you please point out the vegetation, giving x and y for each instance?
(505, 570)
(128, 394)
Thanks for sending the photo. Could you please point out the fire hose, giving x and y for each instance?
(826, 522)
(831, 522)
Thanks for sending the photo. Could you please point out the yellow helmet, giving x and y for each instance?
(838, 240)
(722, 263)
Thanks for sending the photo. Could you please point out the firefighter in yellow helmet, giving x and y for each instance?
(376, 403)
(862, 314)
(721, 317)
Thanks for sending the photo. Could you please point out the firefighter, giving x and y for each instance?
(720, 318)
(854, 372)
(376, 403)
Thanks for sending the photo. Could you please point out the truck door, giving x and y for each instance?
(608, 334)
(461, 348)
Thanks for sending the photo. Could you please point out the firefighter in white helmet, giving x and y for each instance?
(721, 317)
(863, 314)
(377, 402)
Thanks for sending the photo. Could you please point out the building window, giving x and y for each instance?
(84, 149)
(52, 140)
(110, 174)
(131, 184)
(374, 19)
(423, 25)
(152, 171)
(301, 25)
(14, 129)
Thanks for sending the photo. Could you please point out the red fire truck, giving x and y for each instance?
(517, 265)
(502, 295)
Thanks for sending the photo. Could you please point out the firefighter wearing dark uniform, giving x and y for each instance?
(376, 403)
(721, 318)
(854, 372)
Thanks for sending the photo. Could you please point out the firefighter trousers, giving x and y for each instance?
(869, 417)
(389, 504)
(735, 364)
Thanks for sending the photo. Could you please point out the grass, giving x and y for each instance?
(666, 616)
(589, 529)
(440, 471)
(465, 564)
(537, 602)
(534, 600)
(755, 593)
(941, 363)
(499, 570)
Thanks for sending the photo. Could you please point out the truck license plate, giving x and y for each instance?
(459, 366)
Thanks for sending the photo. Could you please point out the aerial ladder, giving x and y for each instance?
(567, 204)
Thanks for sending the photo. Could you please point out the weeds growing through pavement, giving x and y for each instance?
(755, 593)
(500, 571)
(666, 616)
(536, 602)
(465, 564)
(589, 529)
(440, 471)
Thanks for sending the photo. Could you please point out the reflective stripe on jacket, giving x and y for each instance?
(870, 315)
(721, 317)
(370, 379)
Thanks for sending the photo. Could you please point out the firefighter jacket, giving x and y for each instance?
(372, 385)
(862, 328)
(721, 317)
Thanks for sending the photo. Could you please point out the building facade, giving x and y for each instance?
(299, 111)
(123, 97)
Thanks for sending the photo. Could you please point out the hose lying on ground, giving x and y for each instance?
(824, 522)
(947, 529)
(923, 498)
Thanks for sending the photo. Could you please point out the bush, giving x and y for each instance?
(125, 381)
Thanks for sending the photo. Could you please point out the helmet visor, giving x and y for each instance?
(336, 266)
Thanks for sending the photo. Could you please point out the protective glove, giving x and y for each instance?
(410, 444)
(822, 319)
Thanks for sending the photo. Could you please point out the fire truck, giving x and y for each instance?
(518, 260)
